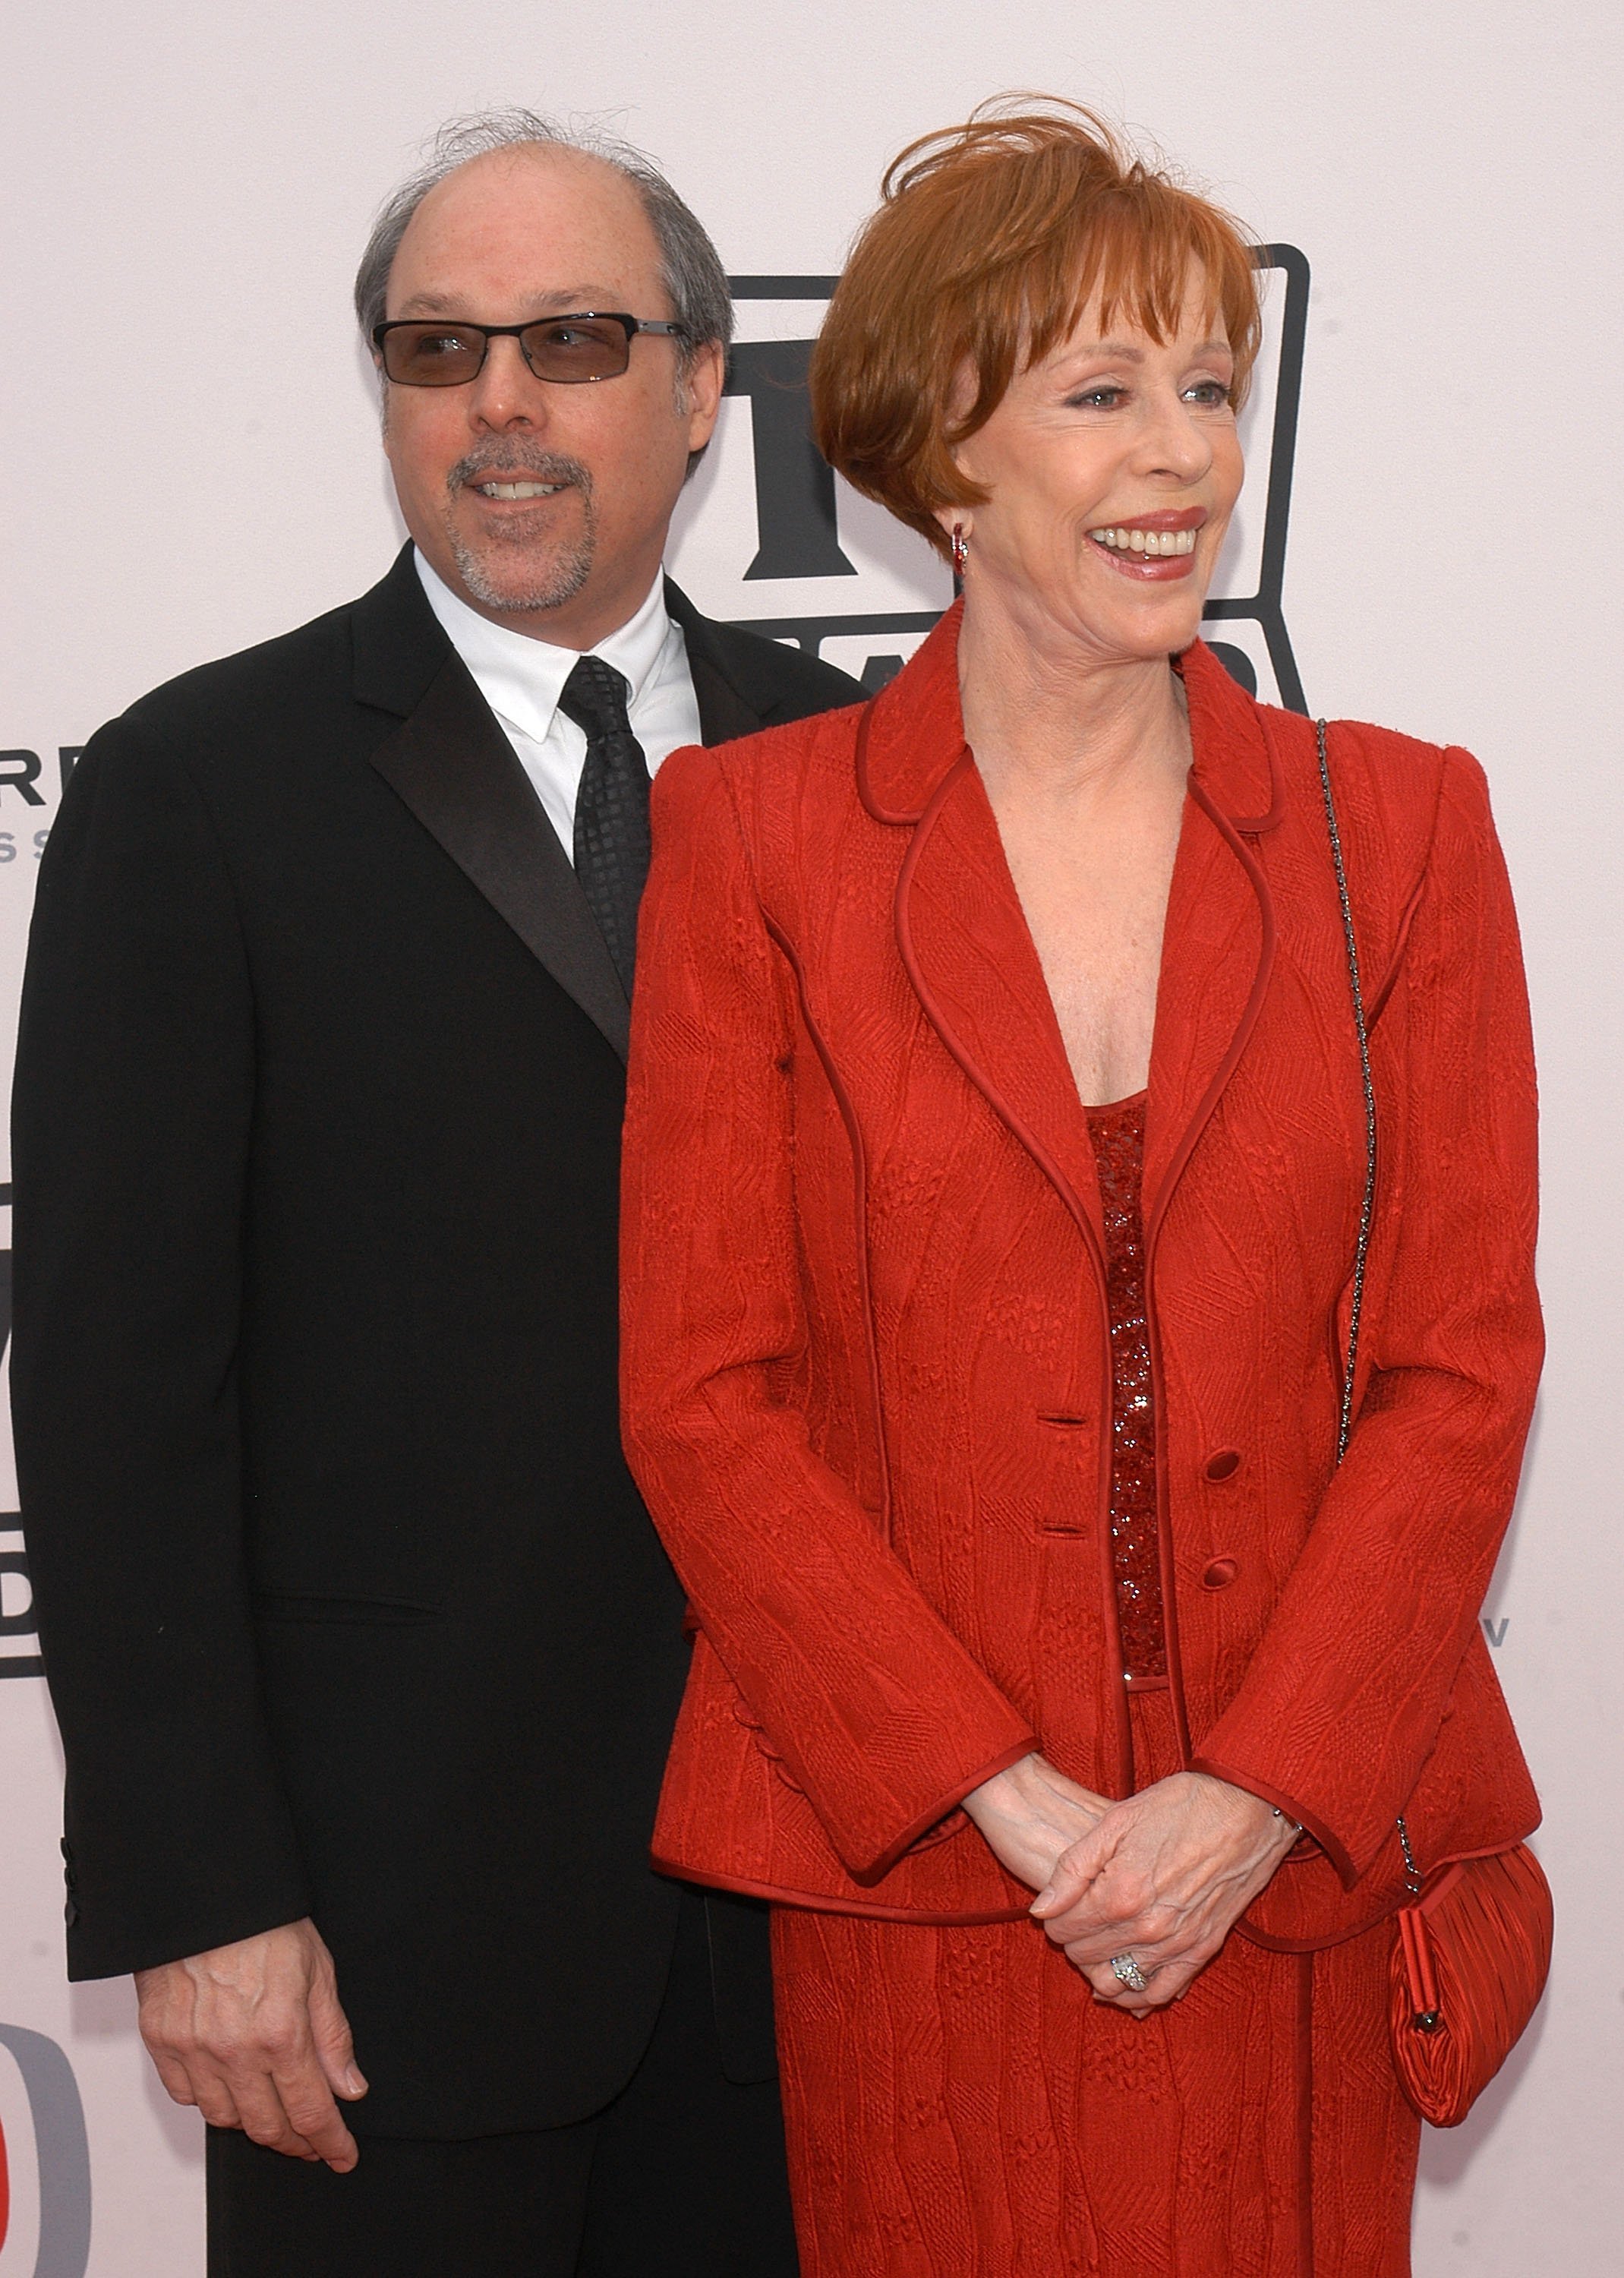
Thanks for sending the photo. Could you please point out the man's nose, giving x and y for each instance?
(505, 392)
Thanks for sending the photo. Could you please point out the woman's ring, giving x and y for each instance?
(1127, 1971)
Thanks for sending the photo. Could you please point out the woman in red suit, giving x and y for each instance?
(996, 1163)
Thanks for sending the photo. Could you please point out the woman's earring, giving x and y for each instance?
(961, 549)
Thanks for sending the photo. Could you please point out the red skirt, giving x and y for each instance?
(958, 2105)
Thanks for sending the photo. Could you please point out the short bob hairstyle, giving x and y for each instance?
(992, 240)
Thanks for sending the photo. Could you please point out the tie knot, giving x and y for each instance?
(594, 697)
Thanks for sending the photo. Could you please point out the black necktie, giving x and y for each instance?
(612, 808)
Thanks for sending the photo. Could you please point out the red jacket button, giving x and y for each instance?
(1225, 1464)
(1220, 1574)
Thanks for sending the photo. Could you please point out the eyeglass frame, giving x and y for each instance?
(665, 326)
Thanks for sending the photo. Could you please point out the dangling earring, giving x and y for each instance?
(961, 549)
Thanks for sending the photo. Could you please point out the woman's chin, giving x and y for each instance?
(1160, 624)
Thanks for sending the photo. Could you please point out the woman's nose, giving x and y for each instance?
(1173, 442)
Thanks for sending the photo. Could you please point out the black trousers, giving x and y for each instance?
(683, 2174)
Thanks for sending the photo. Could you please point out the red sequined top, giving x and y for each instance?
(1118, 1135)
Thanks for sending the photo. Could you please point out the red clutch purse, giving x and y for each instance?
(1473, 1947)
(1469, 1963)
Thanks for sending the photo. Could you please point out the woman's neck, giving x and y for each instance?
(1045, 717)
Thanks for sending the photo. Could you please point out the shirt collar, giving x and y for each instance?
(521, 678)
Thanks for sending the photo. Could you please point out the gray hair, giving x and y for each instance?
(690, 267)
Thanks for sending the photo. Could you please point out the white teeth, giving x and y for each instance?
(1149, 542)
(519, 490)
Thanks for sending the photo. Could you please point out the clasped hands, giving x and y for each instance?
(1162, 1876)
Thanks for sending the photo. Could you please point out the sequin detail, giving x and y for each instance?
(1118, 1135)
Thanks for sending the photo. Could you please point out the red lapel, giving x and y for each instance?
(1218, 947)
(959, 925)
(967, 950)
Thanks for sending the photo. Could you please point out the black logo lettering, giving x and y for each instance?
(19, 771)
(794, 486)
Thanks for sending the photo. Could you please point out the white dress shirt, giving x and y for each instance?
(522, 680)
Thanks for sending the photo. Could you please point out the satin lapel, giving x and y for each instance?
(723, 713)
(965, 941)
(457, 772)
(1218, 950)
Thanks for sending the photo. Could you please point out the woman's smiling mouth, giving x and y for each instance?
(1159, 542)
(1152, 547)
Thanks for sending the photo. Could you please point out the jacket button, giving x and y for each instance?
(1220, 1574)
(1225, 1464)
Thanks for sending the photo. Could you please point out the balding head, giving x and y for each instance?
(540, 492)
(695, 281)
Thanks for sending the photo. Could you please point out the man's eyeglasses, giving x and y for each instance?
(593, 345)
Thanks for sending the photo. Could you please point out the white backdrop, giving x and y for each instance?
(192, 465)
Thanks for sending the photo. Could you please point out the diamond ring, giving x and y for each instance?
(1128, 1973)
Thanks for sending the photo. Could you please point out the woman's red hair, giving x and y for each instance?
(991, 240)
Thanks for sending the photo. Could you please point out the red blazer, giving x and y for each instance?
(866, 1372)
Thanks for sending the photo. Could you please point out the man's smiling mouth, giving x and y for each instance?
(497, 489)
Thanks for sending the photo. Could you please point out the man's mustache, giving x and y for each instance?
(512, 456)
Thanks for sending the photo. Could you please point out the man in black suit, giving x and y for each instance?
(364, 1651)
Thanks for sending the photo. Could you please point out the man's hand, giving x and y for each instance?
(252, 2035)
(1032, 1814)
(1162, 1877)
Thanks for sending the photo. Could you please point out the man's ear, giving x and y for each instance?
(702, 387)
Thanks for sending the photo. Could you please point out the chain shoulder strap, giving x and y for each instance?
(1345, 1421)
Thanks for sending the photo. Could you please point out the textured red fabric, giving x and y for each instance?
(959, 2107)
(866, 1346)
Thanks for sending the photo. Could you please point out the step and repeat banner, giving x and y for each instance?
(1428, 539)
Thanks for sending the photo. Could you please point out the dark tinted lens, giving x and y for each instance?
(433, 355)
(576, 348)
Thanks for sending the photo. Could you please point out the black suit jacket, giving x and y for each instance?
(348, 1604)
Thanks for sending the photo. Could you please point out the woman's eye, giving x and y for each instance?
(1099, 399)
(1212, 394)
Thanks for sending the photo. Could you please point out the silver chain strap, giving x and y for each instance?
(1345, 1424)
(1366, 1208)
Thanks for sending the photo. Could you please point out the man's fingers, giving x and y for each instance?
(334, 2048)
(193, 2079)
(215, 2100)
(264, 2118)
(307, 2102)
(173, 2074)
